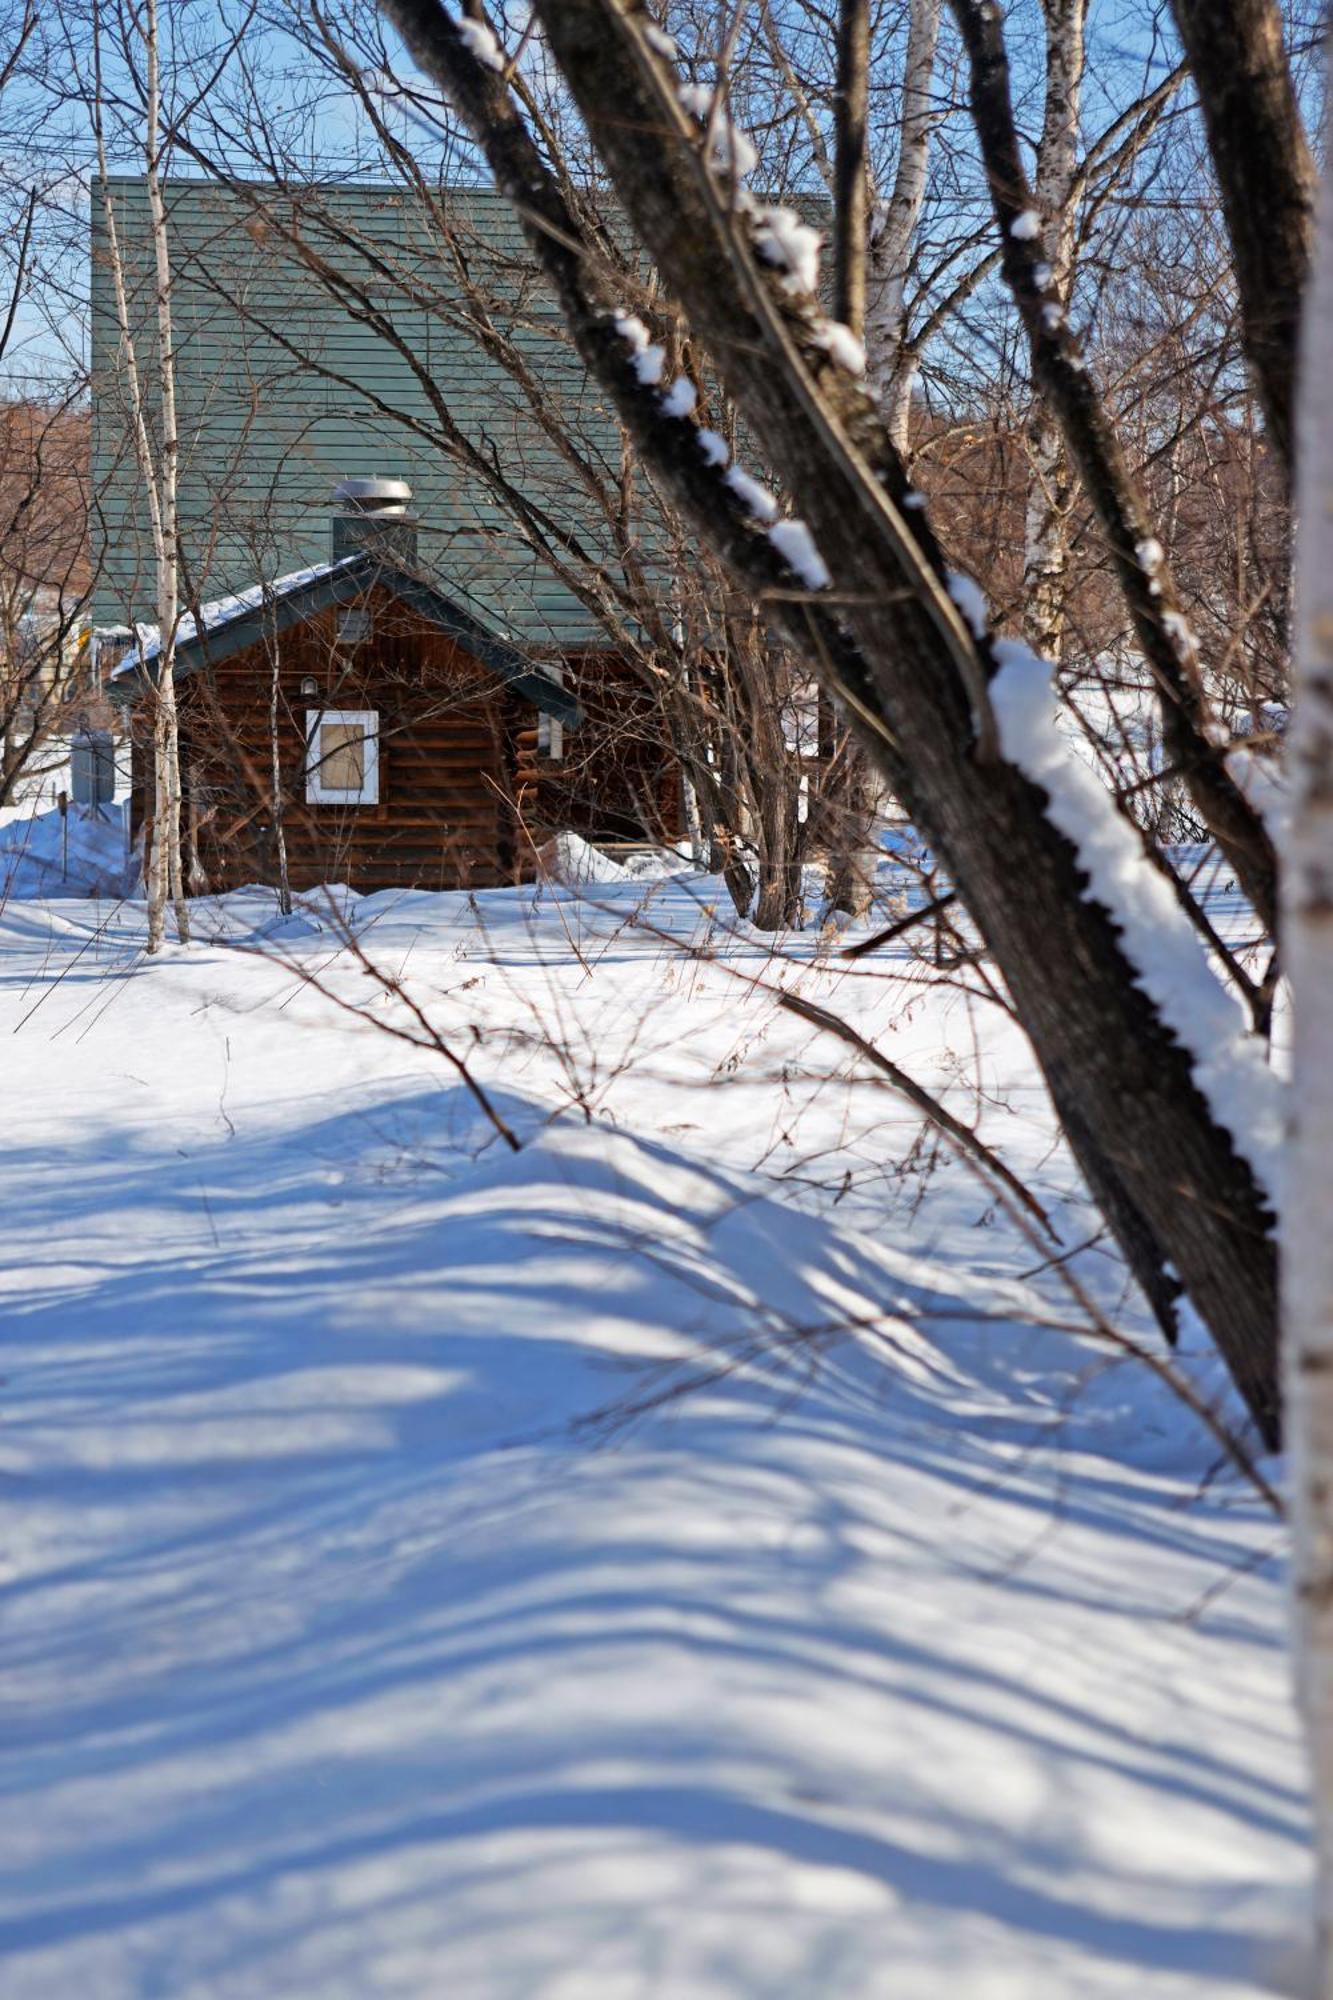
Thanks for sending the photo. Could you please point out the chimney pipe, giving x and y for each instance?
(375, 516)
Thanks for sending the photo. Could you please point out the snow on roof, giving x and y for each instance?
(493, 650)
(223, 610)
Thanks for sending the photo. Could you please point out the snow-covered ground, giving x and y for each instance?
(679, 1558)
(81, 852)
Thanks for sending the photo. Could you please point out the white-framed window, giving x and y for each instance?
(342, 757)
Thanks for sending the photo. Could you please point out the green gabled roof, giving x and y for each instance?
(282, 393)
(221, 630)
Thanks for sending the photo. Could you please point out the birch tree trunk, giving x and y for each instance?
(892, 363)
(1045, 553)
(157, 473)
(1308, 938)
(167, 523)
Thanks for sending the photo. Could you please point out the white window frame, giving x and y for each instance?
(317, 792)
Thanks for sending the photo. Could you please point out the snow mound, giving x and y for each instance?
(79, 854)
(658, 864)
(571, 859)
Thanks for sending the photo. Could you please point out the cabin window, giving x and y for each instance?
(343, 758)
(354, 626)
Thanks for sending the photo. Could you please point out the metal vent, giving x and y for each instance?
(375, 515)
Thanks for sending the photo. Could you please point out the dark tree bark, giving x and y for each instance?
(1261, 157)
(887, 641)
(850, 789)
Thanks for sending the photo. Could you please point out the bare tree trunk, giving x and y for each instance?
(1267, 180)
(1308, 933)
(774, 788)
(157, 472)
(694, 826)
(167, 521)
(849, 819)
(852, 803)
(850, 164)
(275, 778)
(1046, 549)
(175, 802)
(892, 362)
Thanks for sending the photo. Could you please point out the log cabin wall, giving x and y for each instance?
(467, 794)
(445, 816)
(616, 779)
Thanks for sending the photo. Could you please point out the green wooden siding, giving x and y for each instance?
(265, 435)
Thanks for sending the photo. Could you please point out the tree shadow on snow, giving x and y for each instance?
(572, 1545)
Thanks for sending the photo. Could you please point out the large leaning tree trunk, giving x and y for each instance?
(957, 723)
(1308, 1239)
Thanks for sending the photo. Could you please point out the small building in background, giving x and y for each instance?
(468, 645)
(351, 723)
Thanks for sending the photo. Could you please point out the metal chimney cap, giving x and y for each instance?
(373, 496)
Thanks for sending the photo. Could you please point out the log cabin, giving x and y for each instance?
(351, 723)
(456, 640)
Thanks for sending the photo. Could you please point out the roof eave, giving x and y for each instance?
(344, 585)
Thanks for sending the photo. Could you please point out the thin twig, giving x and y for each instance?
(903, 925)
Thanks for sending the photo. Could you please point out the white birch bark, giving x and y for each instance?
(892, 363)
(157, 473)
(1308, 948)
(168, 542)
(1056, 185)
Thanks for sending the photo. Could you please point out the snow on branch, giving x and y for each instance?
(750, 493)
(790, 246)
(783, 241)
(649, 358)
(796, 545)
(1246, 1097)
(479, 40)
(791, 538)
(969, 598)
(730, 151)
(841, 345)
(680, 398)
